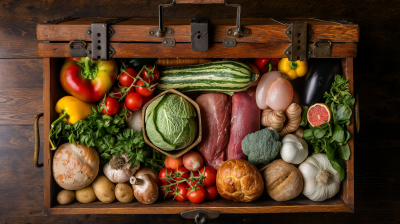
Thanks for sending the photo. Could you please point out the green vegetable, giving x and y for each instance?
(332, 137)
(262, 146)
(109, 136)
(221, 76)
(304, 111)
(171, 122)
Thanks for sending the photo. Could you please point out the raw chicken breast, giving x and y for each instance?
(245, 120)
(215, 111)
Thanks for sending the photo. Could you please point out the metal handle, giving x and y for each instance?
(37, 140)
(357, 114)
(200, 218)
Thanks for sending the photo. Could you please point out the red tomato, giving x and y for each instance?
(196, 195)
(142, 90)
(166, 193)
(153, 77)
(147, 99)
(210, 174)
(111, 106)
(211, 192)
(133, 101)
(126, 78)
(118, 93)
(165, 174)
(180, 173)
(122, 113)
(190, 182)
(181, 192)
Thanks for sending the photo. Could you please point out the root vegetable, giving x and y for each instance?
(85, 195)
(273, 119)
(192, 161)
(104, 189)
(293, 114)
(65, 197)
(124, 193)
(169, 62)
(144, 188)
(299, 132)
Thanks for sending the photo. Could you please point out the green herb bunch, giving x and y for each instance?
(110, 137)
(332, 136)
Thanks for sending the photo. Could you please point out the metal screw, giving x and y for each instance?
(165, 42)
(247, 31)
(89, 52)
(109, 32)
(309, 52)
(110, 52)
(172, 42)
(288, 52)
(170, 32)
(89, 32)
(288, 32)
(229, 32)
(151, 32)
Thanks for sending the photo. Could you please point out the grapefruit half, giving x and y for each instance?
(318, 113)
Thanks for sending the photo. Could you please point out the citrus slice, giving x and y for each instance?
(318, 114)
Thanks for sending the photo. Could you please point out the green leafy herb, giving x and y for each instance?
(304, 110)
(110, 137)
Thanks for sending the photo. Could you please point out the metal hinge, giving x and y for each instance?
(298, 33)
(199, 215)
(199, 34)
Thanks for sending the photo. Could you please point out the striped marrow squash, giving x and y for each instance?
(220, 76)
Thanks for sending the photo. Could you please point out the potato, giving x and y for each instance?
(124, 193)
(104, 189)
(65, 197)
(85, 195)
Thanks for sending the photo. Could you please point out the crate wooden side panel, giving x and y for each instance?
(135, 30)
(184, 50)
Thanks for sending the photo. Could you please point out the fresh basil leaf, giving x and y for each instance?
(344, 151)
(304, 121)
(343, 113)
(347, 136)
(319, 132)
(338, 134)
(308, 134)
(339, 165)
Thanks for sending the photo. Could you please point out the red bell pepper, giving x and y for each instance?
(88, 80)
(266, 64)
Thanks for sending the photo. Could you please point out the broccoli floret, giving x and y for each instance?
(262, 146)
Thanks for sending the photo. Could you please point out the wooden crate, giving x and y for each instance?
(131, 40)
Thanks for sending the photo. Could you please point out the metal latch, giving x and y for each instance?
(322, 48)
(200, 215)
(199, 34)
(298, 33)
(237, 31)
(100, 48)
(77, 48)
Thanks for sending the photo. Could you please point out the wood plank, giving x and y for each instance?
(184, 50)
(199, 1)
(20, 91)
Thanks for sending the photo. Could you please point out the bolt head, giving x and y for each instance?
(170, 32)
(110, 52)
(89, 32)
(230, 32)
(151, 32)
(288, 32)
(165, 42)
(309, 52)
(89, 52)
(288, 52)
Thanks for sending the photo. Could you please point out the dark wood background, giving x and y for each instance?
(377, 81)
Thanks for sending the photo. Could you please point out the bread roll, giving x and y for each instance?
(75, 167)
(283, 180)
(239, 180)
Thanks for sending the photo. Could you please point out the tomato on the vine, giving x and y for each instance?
(165, 175)
(126, 79)
(111, 106)
(143, 91)
(166, 192)
(123, 114)
(209, 174)
(211, 192)
(180, 192)
(180, 173)
(191, 182)
(118, 93)
(196, 194)
(133, 101)
(152, 77)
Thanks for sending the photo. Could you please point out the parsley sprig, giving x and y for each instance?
(110, 137)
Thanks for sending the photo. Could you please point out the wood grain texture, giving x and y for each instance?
(199, 1)
(184, 50)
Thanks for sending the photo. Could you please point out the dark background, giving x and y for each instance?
(377, 81)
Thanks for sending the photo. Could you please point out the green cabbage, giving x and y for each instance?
(171, 122)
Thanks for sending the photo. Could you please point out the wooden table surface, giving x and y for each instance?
(377, 82)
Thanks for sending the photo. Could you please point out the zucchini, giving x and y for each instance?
(220, 76)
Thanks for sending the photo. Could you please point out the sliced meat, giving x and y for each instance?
(215, 111)
(245, 120)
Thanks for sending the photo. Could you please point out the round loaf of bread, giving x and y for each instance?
(75, 167)
(239, 180)
(283, 180)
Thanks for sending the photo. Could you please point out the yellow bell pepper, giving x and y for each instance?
(293, 69)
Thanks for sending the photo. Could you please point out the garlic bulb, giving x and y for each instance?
(117, 170)
(294, 149)
(321, 181)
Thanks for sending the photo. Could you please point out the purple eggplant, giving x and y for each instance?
(319, 79)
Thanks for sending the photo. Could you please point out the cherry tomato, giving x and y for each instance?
(133, 101)
(142, 90)
(191, 182)
(211, 192)
(153, 77)
(182, 190)
(210, 174)
(198, 195)
(126, 78)
(147, 99)
(121, 108)
(163, 189)
(173, 163)
(111, 106)
(118, 94)
(164, 174)
(180, 172)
